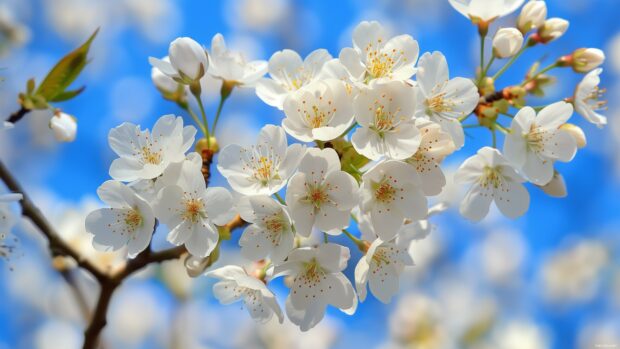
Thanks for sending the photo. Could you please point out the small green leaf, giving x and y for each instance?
(65, 71)
(30, 86)
(66, 95)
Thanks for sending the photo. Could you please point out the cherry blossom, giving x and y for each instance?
(385, 112)
(485, 10)
(587, 98)
(235, 284)
(128, 222)
(145, 154)
(232, 66)
(270, 232)
(318, 111)
(63, 126)
(434, 146)
(444, 100)
(288, 73)
(321, 195)
(191, 210)
(188, 61)
(390, 192)
(262, 169)
(493, 179)
(318, 281)
(374, 56)
(536, 141)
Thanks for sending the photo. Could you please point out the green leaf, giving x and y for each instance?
(66, 95)
(65, 71)
(30, 86)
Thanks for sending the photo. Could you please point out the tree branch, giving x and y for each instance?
(18, 115)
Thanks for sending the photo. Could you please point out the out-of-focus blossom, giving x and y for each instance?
(519, 334)
(507, 42)
(64, 127)
(552, 29)
(585, 59)
(482, 10)
(532, 16)
(163, 82)
(187, 61)
(231, 66)
(556, 187)
(587, 98)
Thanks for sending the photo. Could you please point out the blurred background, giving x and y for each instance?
(550, 279)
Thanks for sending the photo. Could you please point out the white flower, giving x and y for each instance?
(188, 61)
(381, 267)
(317, 282)
(236, 284)
(288, 73)
(532, 16)
(552, 29)
(385, 112)
(63, 126)
(320, 110)
(556, 187)
(485, 10)
(128, 222)
(493, 179)
(270, 232)
(144, 154)
(587, 98)
(536, 141)
(7, 217)
(374, 57)
(391, 191)
(442, 99)
(586, 59)
(507, 42)
(190, 209)
(435, 145)
(262, 169)
(163, 82)
(6, 125)
(320, 194)
(231, 66)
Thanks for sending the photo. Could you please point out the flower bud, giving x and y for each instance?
(203, 145)
(577, 133)
(556, 187)
(507, 42)
(586, 59)
(64, 126)
(189, 58)
(532, 16)
(552, 29)
(163, 82)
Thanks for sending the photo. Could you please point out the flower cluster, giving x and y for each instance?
(374, 126)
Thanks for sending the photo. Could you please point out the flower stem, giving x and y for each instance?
(510, 62)
(349, 129)
(482, 37)
(360, 243)
(494, 138)
(542, 71)
(189, 110)
(280, 199)
(224, 94)
(204, 117)
(325, 238)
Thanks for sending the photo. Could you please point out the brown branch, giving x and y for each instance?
(18, 115)
(57, 246)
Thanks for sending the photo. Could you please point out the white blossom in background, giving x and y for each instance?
(556, 187)
(375, 56)
(385, 112)
(587, 98)
(485, 10)
(518, 334)
(532, 16)
(587, 59)
(380, 268)
(7, 217)
(320, 194)
(493, 179)
(231, 66)
(6, 125)
(552, 29)
(318, 281)
(146, 154)
(262, 169)
(270, 232)
(444, 100)
(435, 145)
(128, 222)
(536, 141)
(190, 210)
(188, 61)
(63, 126)
(391, 192)
(235, 284)
(288, 73)
(163, 82)
(320, 110)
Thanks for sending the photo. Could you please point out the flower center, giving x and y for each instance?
(194, 209)
(133, 219)
(263, 171)
(317, 196)
(384, 192)
(593, 100)
(149, 156)
(379, 63)
(313, 271)
(536, 138)
(438, 104)
(491, 176)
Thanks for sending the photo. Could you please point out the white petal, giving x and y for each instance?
(203, 240)
(476, 203)
(512, 199)
(537, 170)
